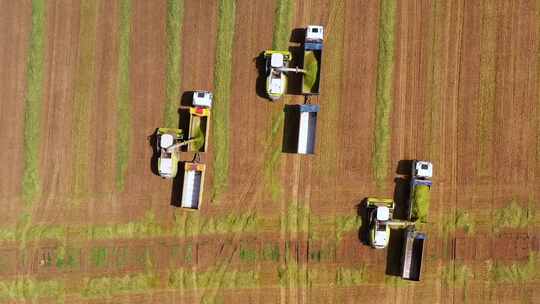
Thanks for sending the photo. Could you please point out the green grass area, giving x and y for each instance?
(222, 92)
(175, 15)
(456, 274)
(213, 278)
(422, 198)
(384, 100)
(515, 215)
(98, 256)
(248, 254)
(347, 223)
(294, 275)
(351, 277)
(31, 184)
(107, 287)
(123, 128)
(465, 221)
(488, 82)
(270, 252)
(85, 82)
(283, 18)
(21, 289)
(516, 272)
(311, 65)
(68, 258)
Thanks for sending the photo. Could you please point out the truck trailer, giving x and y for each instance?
(312, 60)
(300, 128)
(192, 189)
(419, 197)
(413, 251)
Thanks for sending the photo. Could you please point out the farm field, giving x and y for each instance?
(86, 83)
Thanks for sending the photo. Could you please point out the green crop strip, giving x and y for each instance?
(465, 221)
(107, 287)
(222, 92)
(456, 274)
(280, 41)
(30, 289)
(351, 277)
(186, 226)
(123, 106)
(33, 101)
(187, 279)
(84, 95)
(514, 216)
(385, 76)
(516, 272)
(488, 82)
(175, 15)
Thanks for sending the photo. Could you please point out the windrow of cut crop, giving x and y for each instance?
(384, 99)
(282, 28)
(189, 225)
(175, 15)
(85, 92)
(488, 82)
(282, 24)
(222, 94)
(31, 184)
(123, 132)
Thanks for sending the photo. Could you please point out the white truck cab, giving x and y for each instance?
(314, 32)
(422, 169)
(202, 99)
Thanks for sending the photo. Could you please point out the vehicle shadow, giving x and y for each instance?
(187, 99)
(290, 129)
(260, 83)
(177, 184)
(183, 122)
(401, 198)
(152, 141)
(363, 213)
(394, 252)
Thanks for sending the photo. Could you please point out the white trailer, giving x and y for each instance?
(301, 126)
(192, 189)
(413, 252)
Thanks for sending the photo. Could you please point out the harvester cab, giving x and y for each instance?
(380, 215)
(277, 63)
(168, 158)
